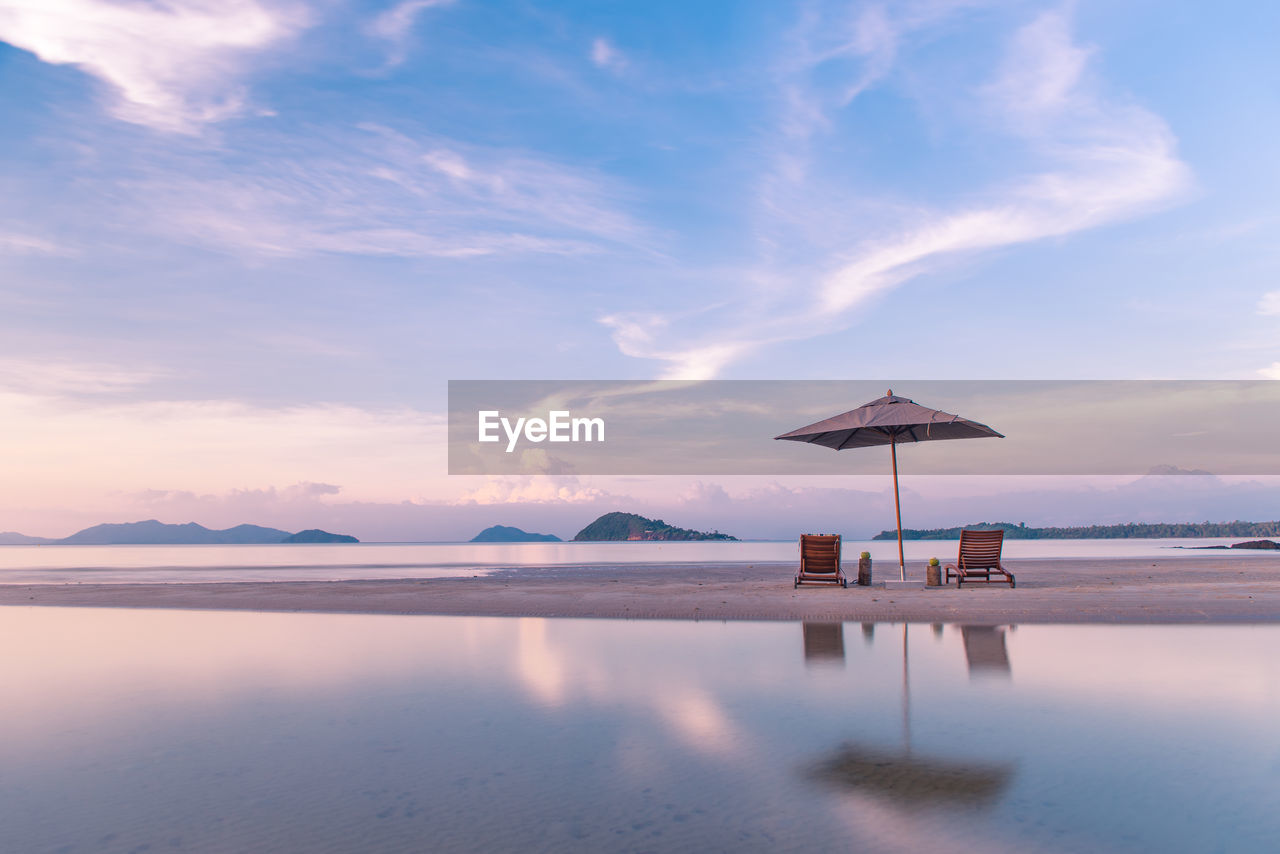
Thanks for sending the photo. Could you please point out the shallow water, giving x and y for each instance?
(218, 731)
(338, 562)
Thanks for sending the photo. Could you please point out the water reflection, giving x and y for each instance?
(913, 781)
(984, 649)
(823, 643)
(904, 778)
(205, 731)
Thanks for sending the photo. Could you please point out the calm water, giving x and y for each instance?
(232, 732)
(109, 564)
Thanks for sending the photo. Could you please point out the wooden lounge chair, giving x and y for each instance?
(979, 559)
(820, 560)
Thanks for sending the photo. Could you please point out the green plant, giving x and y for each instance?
(933, 561)
(866, 555)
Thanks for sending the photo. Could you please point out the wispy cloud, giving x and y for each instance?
(1102, 160)
(375, 191)
(605, 55)
(641, 336)
(395, 26)
(173, 65)
(861, 47)
(1269, 304)
(54, 377)
(15, 243)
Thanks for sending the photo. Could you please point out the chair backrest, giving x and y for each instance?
(820, 553)
(980, 549)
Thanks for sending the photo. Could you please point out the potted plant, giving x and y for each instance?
(864, 569)
(933, 577)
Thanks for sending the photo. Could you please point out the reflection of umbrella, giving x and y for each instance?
(907, 778)
(888, 421)
(914, 779)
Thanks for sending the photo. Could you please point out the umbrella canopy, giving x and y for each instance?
(889, 420)
(886, 421)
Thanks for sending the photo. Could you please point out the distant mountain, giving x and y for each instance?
(154, 533)
(507, 534)
(315, 535)
(12, 538)
(1131, 530)
(628, 526)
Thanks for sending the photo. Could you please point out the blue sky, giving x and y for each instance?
(243, 244)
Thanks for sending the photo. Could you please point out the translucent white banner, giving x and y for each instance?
(724, 427)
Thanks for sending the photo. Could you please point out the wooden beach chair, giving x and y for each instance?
(820, 560)
(979, 559)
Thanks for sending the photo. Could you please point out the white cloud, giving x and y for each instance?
(1100, 162)
(373, 191)
(703, 493)
(535, 489)
(1042, 70)
(14, 243)
(395, 26)
(68, 450)
(1271, 373)
(604, 54)
(819, 43)
(1269, 304)
(635, 336)
(452, 164)
(175, 65)
(54, 377)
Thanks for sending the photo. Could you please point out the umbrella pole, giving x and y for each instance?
(897, 509)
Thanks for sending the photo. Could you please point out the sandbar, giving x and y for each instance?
(1236, 589)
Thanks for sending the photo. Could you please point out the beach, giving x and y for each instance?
(1183, 589)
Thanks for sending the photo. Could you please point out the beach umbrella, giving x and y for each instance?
(890, 420)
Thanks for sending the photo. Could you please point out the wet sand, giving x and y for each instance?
(1131, 590)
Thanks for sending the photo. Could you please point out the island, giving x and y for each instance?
(1265, 545)
(629, 527)
(315, 535)
(1130, 530)
(508, 534)
(155, 533)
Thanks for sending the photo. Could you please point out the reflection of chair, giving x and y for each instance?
(823, 641)
(985, 650)
(820, 560)
(979, 559)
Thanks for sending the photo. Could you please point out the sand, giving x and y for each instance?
(1236, 589)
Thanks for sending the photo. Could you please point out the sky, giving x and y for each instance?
(244, 244)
